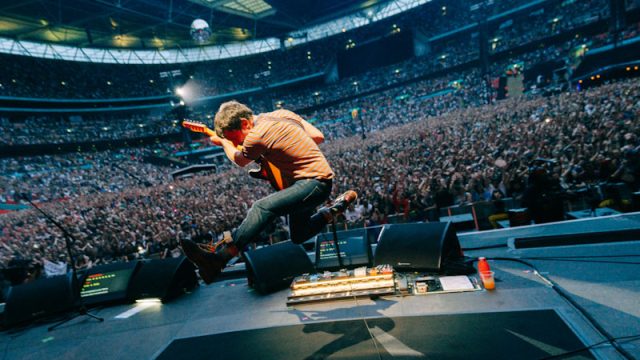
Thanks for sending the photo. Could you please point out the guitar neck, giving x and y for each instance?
(209, 132)
(202, 128)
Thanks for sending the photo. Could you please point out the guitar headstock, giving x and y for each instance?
(195, 126)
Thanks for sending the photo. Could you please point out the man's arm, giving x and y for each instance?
(312, 131)
(231, 151)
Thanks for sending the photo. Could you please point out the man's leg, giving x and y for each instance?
(302, 195)
(306, 223)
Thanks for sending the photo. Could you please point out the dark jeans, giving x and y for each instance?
(299, 201)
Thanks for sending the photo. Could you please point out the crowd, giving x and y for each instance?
(426, 161)
(313, 57)
(428, 144)
(48, 129)
(555, 19)
(56, 177)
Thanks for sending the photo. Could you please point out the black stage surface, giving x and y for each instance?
(531, 334)
(523, 318)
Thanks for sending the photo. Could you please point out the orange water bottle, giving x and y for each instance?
(486, 275)
(483, 265)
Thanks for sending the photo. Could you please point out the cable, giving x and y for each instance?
(584, 256)
(579, 260)
(585, 313)
(366, 324)
(6, 348)
(571, 352)
(496, 246)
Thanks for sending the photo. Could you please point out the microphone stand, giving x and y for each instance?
(75, 287)
(335, 242)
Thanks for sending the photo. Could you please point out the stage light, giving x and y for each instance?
(593, 78)
(181, 102)
(151, 81)
(635, 68)
(149, 301)
(598, 76)
(547, 120)
(580, 81)
(200, 31)
(628, 68)
(179, 91)
(108, 82)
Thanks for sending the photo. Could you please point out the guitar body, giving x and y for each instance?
(267, 170)
(272, 174)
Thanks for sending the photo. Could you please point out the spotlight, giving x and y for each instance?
(149, 301)
(179, 91)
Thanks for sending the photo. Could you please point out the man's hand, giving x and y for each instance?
(216, 140)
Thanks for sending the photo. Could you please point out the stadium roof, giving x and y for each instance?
(157, 31)
(163, 24)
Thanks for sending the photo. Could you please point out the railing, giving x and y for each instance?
(615, 198)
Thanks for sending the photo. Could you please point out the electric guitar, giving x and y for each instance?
(267, 170)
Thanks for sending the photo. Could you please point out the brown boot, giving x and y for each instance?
(339, 205)
(209, 264)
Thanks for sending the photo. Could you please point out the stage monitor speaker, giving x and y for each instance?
(519, 217)
(418, 246)
(39, 298)
(272, 268)
(163, 279)
(108, 283)
(635, 201)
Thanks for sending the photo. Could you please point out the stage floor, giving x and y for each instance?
(515, 321)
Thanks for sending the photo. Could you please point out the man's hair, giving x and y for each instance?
(229, 115)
